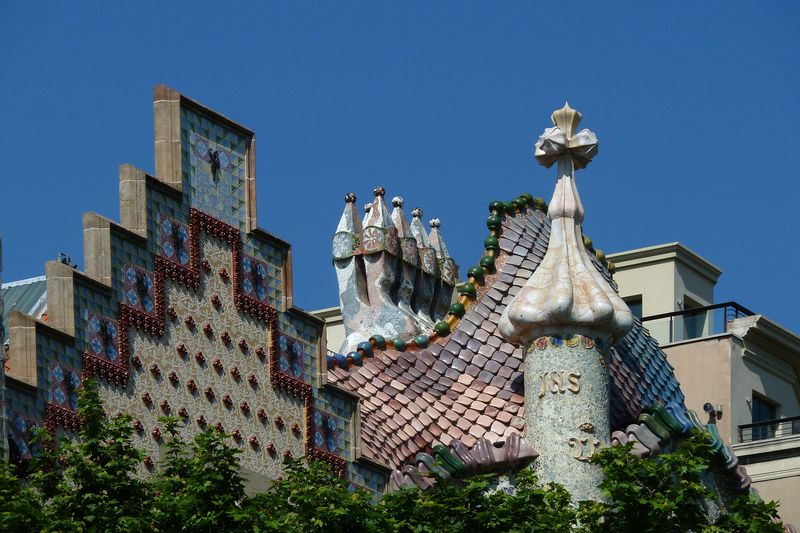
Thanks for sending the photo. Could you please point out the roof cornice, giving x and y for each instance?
(661, 253)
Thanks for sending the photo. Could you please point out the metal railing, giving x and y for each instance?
(769, 429)
(694, 323)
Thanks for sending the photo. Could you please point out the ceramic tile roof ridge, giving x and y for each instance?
(433, 375)
(456, 370)
(458, 459)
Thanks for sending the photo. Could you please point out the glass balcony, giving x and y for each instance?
(694, 323)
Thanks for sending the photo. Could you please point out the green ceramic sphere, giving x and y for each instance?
(491, 243)
(496, 206)
(399, 344)
(476, 272)
(380, 342)
(494, 222)
(422, 341)
(442, 328)
(487, 262)
(467, 289)
(457, 309)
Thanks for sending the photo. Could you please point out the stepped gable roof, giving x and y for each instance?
(469, 385)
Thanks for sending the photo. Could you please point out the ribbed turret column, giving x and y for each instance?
(567, 410)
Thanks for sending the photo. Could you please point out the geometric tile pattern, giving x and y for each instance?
(52, 351)
(469, 385)
(20, 434)
(371, 479)
(93, 303)
(101, 336)
(290, 356)
(139, 287)
(181, 333)
(325, 431)
(124, 254)
(254, 278)
(174, 240)
(64, 385)
(214, 168)
(161, 205)
(308, 337)
(341, 409)
(273, 258)
(206, 376)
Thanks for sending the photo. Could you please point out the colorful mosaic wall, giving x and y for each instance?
(194, 326)
(272, 258)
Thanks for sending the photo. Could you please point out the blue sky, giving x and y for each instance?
(694, 104)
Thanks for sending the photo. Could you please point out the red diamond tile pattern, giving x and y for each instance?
(469, 385)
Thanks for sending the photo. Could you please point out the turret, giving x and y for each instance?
(566, 316)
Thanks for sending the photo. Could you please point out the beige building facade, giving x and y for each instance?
(739, 368)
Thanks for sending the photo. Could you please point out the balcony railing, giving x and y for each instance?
(769, 429)
(694, 323)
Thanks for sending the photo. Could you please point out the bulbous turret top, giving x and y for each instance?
(566, 294)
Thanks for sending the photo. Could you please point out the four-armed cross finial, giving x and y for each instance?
(561, 141)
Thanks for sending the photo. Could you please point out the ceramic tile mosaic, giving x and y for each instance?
(325, 431)
(21, 433)
(214, 162)
(291, 357)
(213, 379)
(161, 205)
(139, 289)
(89, 302)
(23, 412)
(50, 351)
(101, 336)
(64, 385)
(124, 254)
(342, 409)
(254, 278)
(211, 365)
(308, 335)
(273, 259)
(173, 240)
(371, 479)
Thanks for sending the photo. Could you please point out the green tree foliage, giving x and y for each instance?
(476, 505)
(91, 483)
(200, 487)
(311, 498)
(20, 506)
(668, 494)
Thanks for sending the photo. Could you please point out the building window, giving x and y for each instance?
(634, 304)
(763, 410)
